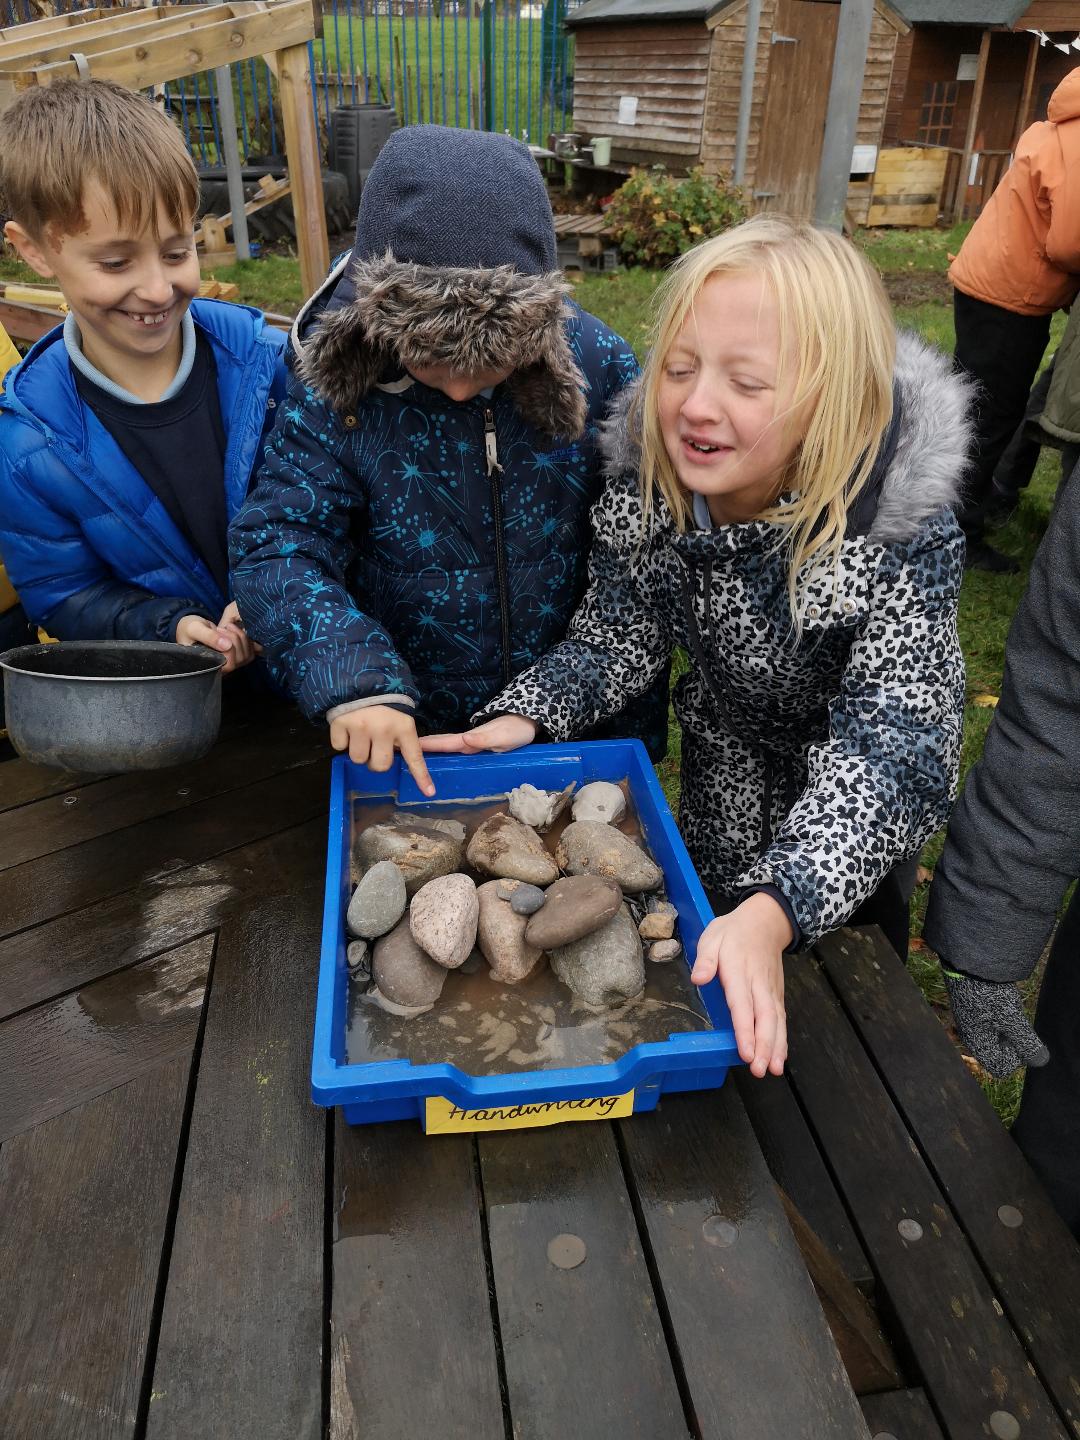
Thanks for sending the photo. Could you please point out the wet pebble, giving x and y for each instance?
(589, 848)
(501, 936)
(526, 900)
(663, 950)
(504, 848)
(420, 851)
(605, 967)
(443, 917)
(539, 808)
(402, 972)
(573, 908)
(658, 925)
(358, 959)
(600, 801)
(378, 902)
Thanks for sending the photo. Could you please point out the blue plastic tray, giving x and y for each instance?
(398, 1089)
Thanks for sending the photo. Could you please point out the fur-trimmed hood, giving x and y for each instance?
(401, 315)
(926, 469)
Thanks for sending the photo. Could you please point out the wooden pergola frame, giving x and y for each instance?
(142, 48)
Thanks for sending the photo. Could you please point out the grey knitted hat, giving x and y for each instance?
(454, 264)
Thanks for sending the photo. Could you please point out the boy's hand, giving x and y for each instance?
(746, 949)
(228, 635)
(508, 732)
(372, 734)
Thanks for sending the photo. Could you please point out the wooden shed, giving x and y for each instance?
(969, 77)
(662, 78)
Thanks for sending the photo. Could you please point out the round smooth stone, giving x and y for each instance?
(600, 801)
(443, 918)
(403, 973)
(573, 908)
(507, 850)
(378, 902)
(588, 848)
(661, 951)
(526, 900)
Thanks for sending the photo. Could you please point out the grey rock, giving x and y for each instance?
(600, 801)
(402, 972)
(420, 851)
(406, 1012)
(408, 820)
(657, 925)
(663, 950)
(605, 967)
(590, 848)
(539, 808)
(526, 900)
(501, 935)
(358, 959)
(378, 902)
(506, 849)
(506, 888)
(573, 908)
(473, 962)
(443, 917)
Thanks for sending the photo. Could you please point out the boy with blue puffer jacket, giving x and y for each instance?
(129, 434)
(419, 532)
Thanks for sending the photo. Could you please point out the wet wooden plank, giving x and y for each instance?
(61, 821)
(22, 783)
(970, 1361)
(1030, 1255)
(166, 911)
(583, 1347)
(797, 1166)
(757, 1354)
(240, 1347)
(412, 1338)
(901, 1414)
(58, 1056)
(83, 1209)
(42, 889)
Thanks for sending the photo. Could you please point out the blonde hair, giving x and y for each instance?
(54, 138)
(836, 320)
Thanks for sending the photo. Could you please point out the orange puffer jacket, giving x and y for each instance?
(1023, 252)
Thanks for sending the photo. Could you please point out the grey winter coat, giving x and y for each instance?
(1014, 840)
(812, 764)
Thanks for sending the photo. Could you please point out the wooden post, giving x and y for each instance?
(1023, 114)
(305, 165)
(973, 121)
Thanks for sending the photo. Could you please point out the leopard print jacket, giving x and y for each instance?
(813, 762)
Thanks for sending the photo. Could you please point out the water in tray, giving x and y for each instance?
(488, 1028)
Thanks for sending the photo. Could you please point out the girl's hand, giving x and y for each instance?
(372, 734)
(228, 636)
(746, 950)
(508, 732)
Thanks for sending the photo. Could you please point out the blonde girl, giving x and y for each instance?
(779, 505)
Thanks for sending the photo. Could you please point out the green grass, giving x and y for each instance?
(439, 67)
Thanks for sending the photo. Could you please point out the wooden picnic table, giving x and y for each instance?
(189, 1248)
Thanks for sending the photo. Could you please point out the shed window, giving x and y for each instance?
(936, 116)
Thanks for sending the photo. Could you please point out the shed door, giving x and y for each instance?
(793, 126)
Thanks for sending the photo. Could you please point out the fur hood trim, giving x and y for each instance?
(403, 314)
(927, 468)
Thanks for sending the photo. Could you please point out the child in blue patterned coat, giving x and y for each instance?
(778, 505)
(419, 531)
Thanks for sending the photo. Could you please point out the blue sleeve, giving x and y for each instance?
(63, 583)
(290, 549)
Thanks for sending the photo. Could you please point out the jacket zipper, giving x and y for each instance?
(494, 470)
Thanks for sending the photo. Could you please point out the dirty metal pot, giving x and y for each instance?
(112, 705)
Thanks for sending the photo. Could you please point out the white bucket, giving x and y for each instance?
(601, 149)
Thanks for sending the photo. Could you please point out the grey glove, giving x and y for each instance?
(991, 1023)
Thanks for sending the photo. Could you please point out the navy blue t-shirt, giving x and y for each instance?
(178, 447)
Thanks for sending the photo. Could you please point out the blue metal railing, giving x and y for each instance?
(439, 61)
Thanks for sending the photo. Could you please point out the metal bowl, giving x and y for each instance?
(112, 705)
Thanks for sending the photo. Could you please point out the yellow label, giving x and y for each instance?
(443, 1117)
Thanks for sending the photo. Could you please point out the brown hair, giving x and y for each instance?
(54, 138)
